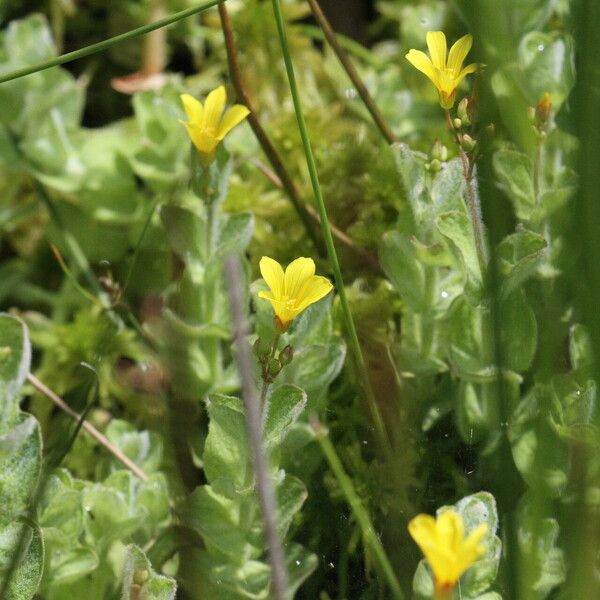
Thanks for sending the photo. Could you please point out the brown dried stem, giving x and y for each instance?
(306, 212)
(358, 83)
(100, 438)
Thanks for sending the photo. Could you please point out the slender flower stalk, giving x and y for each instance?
(264, 485)
(445, 73)
(447, 550)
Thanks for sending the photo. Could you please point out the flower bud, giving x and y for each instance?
(463, 112)
(531, 114)
(457, 123)
(434, 166)
(273, 367)
(261, 348)
(286, 355)
(141, 576)
(468, 143)
(439, 151)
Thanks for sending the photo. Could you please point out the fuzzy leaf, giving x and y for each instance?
(456, 227)
(518, 256)
(283, 408)
(28, 573)
(141, 581)
(398, 257)
(226, 455)
(15, 358)
(514, 171)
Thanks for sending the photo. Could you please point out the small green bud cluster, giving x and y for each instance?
(439, 154)
(466, 117)
(271, 364)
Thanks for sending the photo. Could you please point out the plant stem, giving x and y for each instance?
(265, 374)
(360, 513)
(108, 43)
(264, 484)
(331, 252)
(346, 63)
(473, 201)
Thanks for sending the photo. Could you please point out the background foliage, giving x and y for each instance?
(110, 276)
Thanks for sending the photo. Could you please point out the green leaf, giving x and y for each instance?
(291, 494)
(515, 17)
(20, 464)
(283, 408)
(514, 171)
(398, 258)
(543, 561)
(235, 234)
(411, 167)
(518, 256)
(476, 410)
(15, 358)
(141, 581)
(26, 577)
(250, 579)
(541, 459)
(71, 564)
(144, 448)
(226, 457)
(110, 509)
(546, 61)
(469, 350)
(448, 187)
(313, 369)
(457, 228)
(216, 518)
(300, 564)
(518, 335)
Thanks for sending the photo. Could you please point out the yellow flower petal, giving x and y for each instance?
(458, 53)
(422, 530)
(193, 108)
(296, 275)
(421, 61)
(468, 69)
(272, 273)
(450, 529)
(436, 42)
(266, 295)
(235, 115)
(314, 289)
(213, 109)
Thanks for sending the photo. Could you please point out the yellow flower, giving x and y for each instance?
(207, 125)
(445, 75)
(446, 548)
(293, 290)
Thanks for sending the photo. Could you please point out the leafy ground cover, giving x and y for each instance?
(290, 316)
